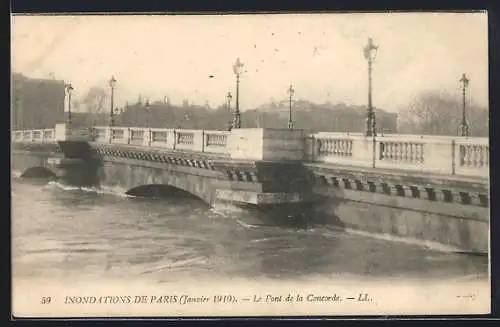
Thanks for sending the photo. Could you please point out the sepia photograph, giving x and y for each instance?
(250, 165)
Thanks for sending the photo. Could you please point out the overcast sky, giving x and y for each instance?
(320, 54)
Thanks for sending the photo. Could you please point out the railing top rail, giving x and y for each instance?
(180, 130)
(414, 140)
(156, 129)
(218, 132)
(379, 136)
(333, 133)
(189, 130)
(397, 136)
(473, 140)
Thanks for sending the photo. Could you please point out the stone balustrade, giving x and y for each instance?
(37, 135)
(471, 155)
(468, 156)
(448, 155)
(173, 139)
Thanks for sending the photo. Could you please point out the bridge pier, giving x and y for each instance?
(80, 164)
(75, 172)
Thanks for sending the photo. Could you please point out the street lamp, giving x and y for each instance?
(464, 127)
(237, 69)
(290, 91)
(112, 83)
(69, 89)
(185, 119)
(147, 114)
(229, 97)
(370, 52)
(118, 111)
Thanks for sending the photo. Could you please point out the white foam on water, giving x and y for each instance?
(116, 191)
(177, 264)
(223, 208)
(247, 225)
(16, 173)
(220, 212)
(429, 245)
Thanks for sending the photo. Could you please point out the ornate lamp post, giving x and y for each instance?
(370, 52)
(229, 97)
(237, 69)
(290, 91)
(185, 119)
(69, 90)
(147, 107)
(112, 83)
(464, 127)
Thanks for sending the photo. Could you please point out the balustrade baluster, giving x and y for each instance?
(486, 156)
(477, 156)
(410, 152)
(383, 150)
(473, 155)
(468, 157)
(481, 156)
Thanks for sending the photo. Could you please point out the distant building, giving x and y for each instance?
(325, 117)
(36, 103)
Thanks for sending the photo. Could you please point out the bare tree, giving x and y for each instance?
(95, 99)
(439, 113)
(75, 105)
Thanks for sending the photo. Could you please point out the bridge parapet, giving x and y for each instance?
(468, 156)
(172, 139)
(239, 144)
(35, 135)
(445, 155)
(61, 132)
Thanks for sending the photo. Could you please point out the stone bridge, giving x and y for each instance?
(421, 188)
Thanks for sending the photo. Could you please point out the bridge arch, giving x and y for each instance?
(137, 179)
(38, 172)
(161, 190)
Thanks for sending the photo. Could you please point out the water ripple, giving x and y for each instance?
(61, 231)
